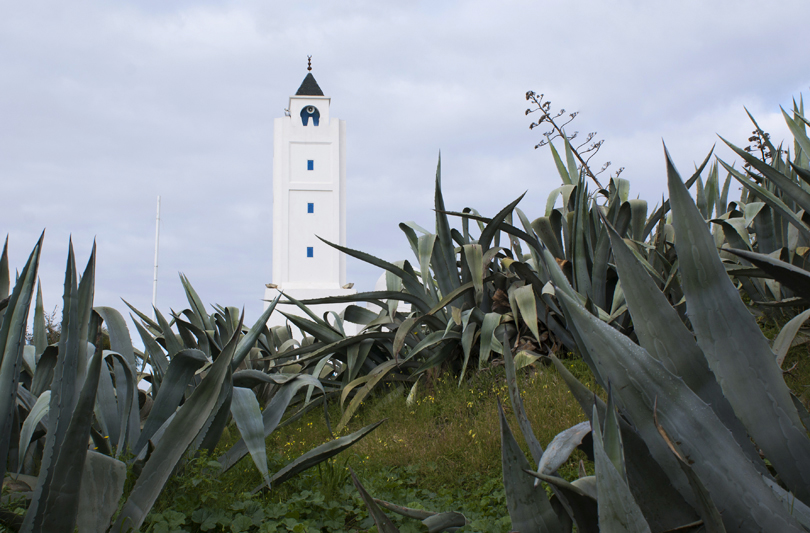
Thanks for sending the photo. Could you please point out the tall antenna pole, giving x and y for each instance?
(157, 245)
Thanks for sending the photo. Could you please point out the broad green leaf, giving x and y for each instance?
(561, 447)
(782, 343)
(86, 292)
(200, 316)
(40, 339)
(102, 486)
(564, 176)
(735, 348)
(321, 453)
(640, 382)
(618, 511)
(58, 509)
(248, 417)
(181, 369)
(12, 342)
(384, 524)
(271, 416)
(528, 507)
(517, 404)
(797, 279)
(467, 339)
(582, 502)
(444, 255)
(173, 345)
(411, 283)
(374, 377)
(712, 521)
(188, 421)
(612, 438)
(250, 338)
(660, 331)
(527, 305)
(661, 503)
(474, 255)
(771, 199)
(121, 343)
(39, 410)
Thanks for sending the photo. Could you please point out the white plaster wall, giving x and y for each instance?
(294, 229)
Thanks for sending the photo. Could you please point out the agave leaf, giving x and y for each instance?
(517, 404)
(106, 408)
(181, 369)
(86, 291)
(803, 414)
(795, 507)
(403, 330)
(638, 380)
(248, 417)
(125, 382)
(796, 279)
(496, 224)
(40, 338)
(271, 416)
(321, 453)
(58, 509)
(444, 255)
(661, 332)
(560, 448)
(5, 277)
(529, 508)
(527, 305)
(662, 505)
(187, 422)
(474, 256)
(782, 343)
(12, 341)
(488, 325)
(612, 438)
(411, 283)
(798, 132)
(384, 524)
(374, 377)
(425, 245)
(211, 432)
(39, 410)
(200, 317)
(735, 348)
(321, 331)
(44, 372)
(574, 174)
(778, 206)
(584, 509)
(121, 343)
(618, 511)
(564, 176)
(446, 521)
(712, 521)
(169, 337)
(102, 485)
(250, 338)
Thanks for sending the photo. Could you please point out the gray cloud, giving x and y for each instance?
(106, 105)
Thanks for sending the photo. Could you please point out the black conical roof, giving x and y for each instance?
(309, 87)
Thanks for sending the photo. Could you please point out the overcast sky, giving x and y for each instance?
(106, 105)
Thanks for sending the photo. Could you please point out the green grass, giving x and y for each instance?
(440, 453)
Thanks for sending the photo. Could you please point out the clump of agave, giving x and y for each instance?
(72, 411)
(696, 398)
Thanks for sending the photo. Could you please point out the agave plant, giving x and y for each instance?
(73, 411)
(678, 444)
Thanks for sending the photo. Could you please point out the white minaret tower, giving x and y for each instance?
(309, 199)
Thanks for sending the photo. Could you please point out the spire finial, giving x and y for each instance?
(309, 63)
